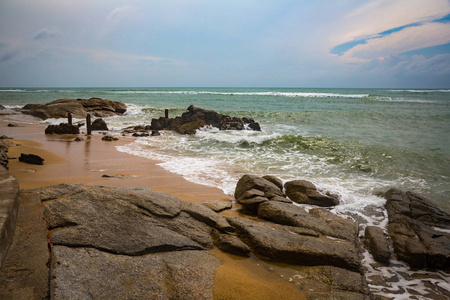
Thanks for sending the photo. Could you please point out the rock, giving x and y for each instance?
(78, 139)
(109, 138)
(305, 192)
(78, 108)
(4, 137)
(4, 145)
(99, 124)
(419, 230)
(282, 243)
(318, 220)
(218, 205)
(155, 133)
(12, 125)
(31, 159)
(377, 244)
(88, 273)
(230, 243)
(2, 107)
(62, 128)
(275, 180)
(252, 190)
(143, 134)
(9, 199)
(196, 118)
(153, 243)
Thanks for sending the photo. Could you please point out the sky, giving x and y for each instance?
(232, 43)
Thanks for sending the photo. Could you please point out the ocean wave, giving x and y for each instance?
(13, 90)
(423, 91)
(275, 94)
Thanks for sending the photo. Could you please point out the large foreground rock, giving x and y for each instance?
(88, 273)
(419, 230)
(293, 245)
(119, 242)
(196, 118)
(78, 108)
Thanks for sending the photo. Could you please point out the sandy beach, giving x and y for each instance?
(86, 162)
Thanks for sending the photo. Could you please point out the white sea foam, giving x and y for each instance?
(276, 94)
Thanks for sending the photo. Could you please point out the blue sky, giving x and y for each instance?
(201, 43)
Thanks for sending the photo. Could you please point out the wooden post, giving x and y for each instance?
(69, 118)
(88, 124)
(166, 113)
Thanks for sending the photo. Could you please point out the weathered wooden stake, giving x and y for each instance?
(166, 113)
(88, 124)
(69, 118)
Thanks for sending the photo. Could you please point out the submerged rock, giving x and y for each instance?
(419, 230)
(196, 118)
(78, 108)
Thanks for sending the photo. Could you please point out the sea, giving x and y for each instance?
(356, 143)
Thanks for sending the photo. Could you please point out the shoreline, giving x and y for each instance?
(85, 162)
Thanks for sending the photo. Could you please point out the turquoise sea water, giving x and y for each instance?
(356, 142)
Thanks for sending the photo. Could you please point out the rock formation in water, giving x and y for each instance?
(196, 118)
(78, 108)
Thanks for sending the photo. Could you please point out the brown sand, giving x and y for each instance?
(85, 162)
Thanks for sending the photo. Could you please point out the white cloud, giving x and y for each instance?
(408, 39)
(45, 33)
(120, 13)
(381, 15)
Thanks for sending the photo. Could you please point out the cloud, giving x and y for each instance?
(45, 33)
(382, 15)
(7, 52)
(120, 13)
(408, 39)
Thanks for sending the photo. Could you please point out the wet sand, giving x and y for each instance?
(85, 162)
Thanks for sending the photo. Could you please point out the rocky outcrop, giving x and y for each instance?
(377, 244)
(2, 107)
(31, 159)
(78, 108)
(99, 124)
(196, 118)
(9, 205)
(253, 190)
(294, 245)
(62, 128)
(305, 192)
(4, 145)
(420, 231)
(153, 243)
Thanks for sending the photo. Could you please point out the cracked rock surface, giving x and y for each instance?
(153, 243)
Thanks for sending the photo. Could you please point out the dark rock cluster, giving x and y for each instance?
(78, 108)
(252, 190)
(420, 231)
(196, 118)
(62, 128)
